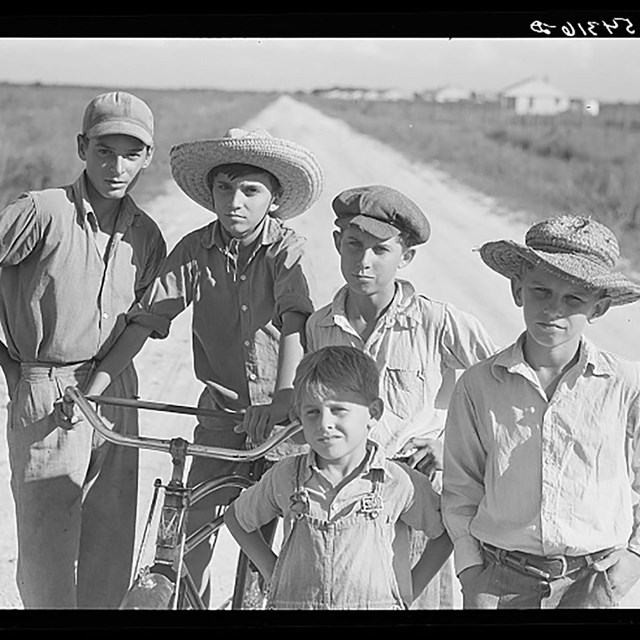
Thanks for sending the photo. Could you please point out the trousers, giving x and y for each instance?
(75, 494)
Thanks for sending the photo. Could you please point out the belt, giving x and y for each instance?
(545, 567)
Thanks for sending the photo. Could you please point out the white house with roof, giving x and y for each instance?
(534, 96)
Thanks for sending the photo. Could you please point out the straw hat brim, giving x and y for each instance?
(295, 167)
(506, 258)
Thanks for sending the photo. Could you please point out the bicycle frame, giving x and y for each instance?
(168, 580)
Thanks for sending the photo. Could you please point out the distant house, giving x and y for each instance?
(451, 94)
(448, 93)
(534, 96)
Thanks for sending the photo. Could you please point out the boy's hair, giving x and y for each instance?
(337, 368)
(239, 169)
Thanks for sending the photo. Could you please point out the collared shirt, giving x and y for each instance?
(61, 300)
(546, 477)
(237, 314)
(418, 345)
(407, 495)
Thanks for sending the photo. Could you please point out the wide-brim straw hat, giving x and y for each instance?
(574, 247)
(295, 167)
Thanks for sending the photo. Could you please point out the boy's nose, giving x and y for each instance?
(118, 164)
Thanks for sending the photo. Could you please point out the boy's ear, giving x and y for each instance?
(337, 238)
(150, 150)
(407, 257)
(82, 142)
(599, 308)
(275, 203)
(516, 290)
(376, 409)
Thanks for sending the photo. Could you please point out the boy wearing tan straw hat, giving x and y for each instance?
(418, 344)
(73, 261)
(541, 463)
(243, 273)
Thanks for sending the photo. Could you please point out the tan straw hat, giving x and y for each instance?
(295, 167)
(570, 246)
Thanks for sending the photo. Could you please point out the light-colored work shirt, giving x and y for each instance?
(237, 312)
(546, 477)
(418, 344)
(61, 300)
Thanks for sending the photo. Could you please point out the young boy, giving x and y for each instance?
(417, 343)
(73, 261)
(340, 502)
(244, 275)
(541, 459)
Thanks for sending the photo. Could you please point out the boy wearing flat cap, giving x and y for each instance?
(73, 262)
(541, 459)
(417, 343)
(243, 274)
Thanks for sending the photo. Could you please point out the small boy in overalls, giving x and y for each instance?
(340, 501)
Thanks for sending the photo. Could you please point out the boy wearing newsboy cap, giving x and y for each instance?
(541, 460)
(418, 343)
(73, 260)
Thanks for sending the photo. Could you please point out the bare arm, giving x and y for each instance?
(252, 543)
(124, 350)
(435, 553)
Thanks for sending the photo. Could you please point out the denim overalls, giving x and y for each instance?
(336, 564)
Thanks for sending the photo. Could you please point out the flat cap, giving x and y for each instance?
(381, 211)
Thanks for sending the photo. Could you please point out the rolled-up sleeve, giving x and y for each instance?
(258, 505)
(465, 340)
(423, 511)
(170, 293)
(463, 475)
(20, 230)
(291, 288)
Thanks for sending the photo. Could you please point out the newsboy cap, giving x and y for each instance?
(381, 211)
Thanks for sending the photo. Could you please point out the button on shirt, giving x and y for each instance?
(237, 317)
(61, 300)
(418, 345)
(546, 477)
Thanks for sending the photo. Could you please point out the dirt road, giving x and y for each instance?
(446, 268)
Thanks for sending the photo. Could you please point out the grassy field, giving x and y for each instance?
(544, 165)
(39, 125)
(571, 162)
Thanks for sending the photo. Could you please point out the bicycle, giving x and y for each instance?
(166, 583)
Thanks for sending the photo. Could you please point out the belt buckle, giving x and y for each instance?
(565, 566)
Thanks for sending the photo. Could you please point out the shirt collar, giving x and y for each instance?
(128, 210)
(272, 231)
(590, 359)
(404, 309)
(375, 459)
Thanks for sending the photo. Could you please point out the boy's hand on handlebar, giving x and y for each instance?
(66, 413)
(259, 420)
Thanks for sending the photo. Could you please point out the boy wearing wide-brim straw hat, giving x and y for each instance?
(541, 461)
(244, 275)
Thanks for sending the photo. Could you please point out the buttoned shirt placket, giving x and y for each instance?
(122, 223)
(240, 279)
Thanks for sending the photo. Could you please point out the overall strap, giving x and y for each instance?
(372, 504)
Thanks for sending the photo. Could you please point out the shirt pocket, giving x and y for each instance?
(404, 391)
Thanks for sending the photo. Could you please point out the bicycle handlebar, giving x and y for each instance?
(159, 444)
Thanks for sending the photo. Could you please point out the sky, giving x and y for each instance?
(605, 69)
